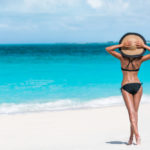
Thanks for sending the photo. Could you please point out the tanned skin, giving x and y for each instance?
(131, 102)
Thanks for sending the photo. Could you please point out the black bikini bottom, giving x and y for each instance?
(131, 88)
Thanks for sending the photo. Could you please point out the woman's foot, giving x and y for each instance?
(130, 140)
(138, 140)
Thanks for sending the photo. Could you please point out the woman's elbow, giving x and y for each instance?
(107, 49)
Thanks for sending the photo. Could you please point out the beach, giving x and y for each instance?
(62, 72)
(84, 129)
(64, 97)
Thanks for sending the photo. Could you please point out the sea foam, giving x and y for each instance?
(64, 104)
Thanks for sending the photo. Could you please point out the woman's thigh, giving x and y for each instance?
(137, 98)
(128, 99)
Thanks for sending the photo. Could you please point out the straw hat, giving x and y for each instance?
(133, 50)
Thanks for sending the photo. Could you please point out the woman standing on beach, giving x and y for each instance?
(131, 87)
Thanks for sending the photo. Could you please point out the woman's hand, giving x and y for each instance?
(126, 44)
(140, 44)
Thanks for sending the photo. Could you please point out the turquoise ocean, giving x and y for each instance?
(54, 77)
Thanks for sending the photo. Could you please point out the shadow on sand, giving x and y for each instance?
(118, 142)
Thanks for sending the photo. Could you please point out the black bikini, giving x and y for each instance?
(131, 88)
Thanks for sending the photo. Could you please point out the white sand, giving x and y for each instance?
(88, 129)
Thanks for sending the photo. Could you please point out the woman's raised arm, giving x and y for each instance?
(111, 49)
(145, 57)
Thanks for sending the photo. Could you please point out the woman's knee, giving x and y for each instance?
(133, 117)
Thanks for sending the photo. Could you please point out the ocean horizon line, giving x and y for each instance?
(58, 43)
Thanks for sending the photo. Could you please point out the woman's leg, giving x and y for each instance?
(128, 99)
(136, 100)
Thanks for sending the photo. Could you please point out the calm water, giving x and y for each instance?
(61, 76)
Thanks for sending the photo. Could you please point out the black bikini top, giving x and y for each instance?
(130, 61)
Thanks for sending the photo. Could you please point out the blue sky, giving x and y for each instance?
(79, 21)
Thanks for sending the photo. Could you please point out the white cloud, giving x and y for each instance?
(17, 26)
(55, 6)
(37, 6)
(103, 7)
(69, 27)
(109, 7)
(106, 7)
(95, 3)
(4, 26)
(117, 5)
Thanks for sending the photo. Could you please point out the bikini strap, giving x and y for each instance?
(130, 61)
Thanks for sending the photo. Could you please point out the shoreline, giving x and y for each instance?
(64, 105)
(73, 110)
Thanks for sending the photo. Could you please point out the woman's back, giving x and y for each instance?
(130, 64)
(130, 68)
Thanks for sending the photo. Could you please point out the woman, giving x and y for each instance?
(131, 87)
